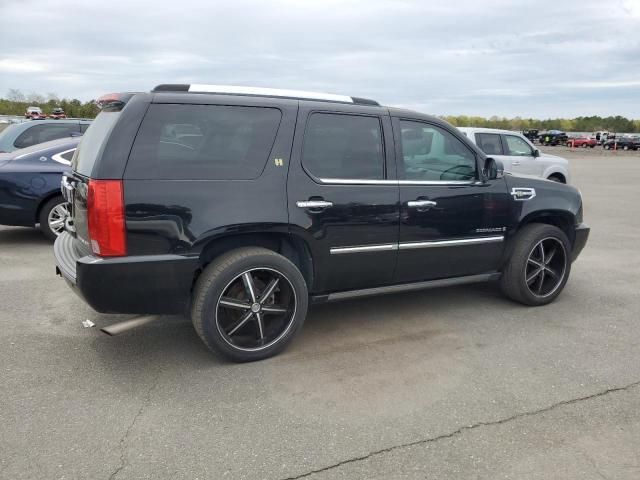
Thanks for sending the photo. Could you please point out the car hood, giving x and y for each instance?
(553, 158)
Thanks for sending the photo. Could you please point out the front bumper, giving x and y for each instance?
(582, 234)
(142, 284)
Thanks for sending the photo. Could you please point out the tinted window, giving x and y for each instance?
(489, 143)
(68, 155)
(83, 127)
(517, 146)
(211, 142)
(92, 142)
(44, 133)
(432, 154)
(343, 146)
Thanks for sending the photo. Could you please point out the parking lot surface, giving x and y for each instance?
(452, 383)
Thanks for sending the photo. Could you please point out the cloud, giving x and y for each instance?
(500, 57)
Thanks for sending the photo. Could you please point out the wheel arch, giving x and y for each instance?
(290, 246)
(562, 219)
(43, 201)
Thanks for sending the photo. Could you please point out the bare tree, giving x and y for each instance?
(15, 95)
(35, 98)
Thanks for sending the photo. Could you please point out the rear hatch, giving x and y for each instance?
(77, 184)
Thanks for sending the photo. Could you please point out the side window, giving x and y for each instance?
(489, 143)
(430, 153)
(68, 155)
(210, 142)
(343, 146)
(517, 146)
(84, 126)
(43, 133)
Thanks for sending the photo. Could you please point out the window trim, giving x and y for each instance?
(395, 123)
(347, 181)
(58, 157)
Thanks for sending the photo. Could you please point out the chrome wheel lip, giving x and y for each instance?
(56, 218)
(562, 274)
(282, 334)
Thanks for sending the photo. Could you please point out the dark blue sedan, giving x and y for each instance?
(30, 186)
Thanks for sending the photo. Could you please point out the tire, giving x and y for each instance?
(625, 148)
(514, 282)
(606, 147)
(221, 323)
(50, 214)
(584, 145)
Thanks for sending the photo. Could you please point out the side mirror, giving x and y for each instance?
(536, 153)
(493, 169)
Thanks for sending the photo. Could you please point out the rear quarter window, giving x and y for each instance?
(203, 142)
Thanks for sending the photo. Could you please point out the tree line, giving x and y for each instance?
(16, 103)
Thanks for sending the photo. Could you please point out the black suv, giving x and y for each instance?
(240, 206)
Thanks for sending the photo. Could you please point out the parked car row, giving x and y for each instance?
(36, 113)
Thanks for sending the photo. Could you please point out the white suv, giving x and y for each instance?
(518, 154)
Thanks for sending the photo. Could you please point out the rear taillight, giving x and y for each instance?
(105, 211)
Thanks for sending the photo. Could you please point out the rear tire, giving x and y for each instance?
(52, 216)
(249, 303)
(536, 275)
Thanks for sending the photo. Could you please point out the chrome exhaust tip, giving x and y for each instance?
(121, 327)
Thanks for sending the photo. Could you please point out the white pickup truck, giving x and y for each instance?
(518, 154)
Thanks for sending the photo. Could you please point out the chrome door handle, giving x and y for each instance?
(313, 204)
(421, 204)
(515, 163)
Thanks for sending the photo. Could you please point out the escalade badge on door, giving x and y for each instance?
(522, 193)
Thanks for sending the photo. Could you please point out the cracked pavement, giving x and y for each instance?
(451, 383)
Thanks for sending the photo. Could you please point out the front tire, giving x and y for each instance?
(249, 303)
(539, 265)
(52, 217)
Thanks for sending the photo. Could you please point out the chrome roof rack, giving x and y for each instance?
(262, 92)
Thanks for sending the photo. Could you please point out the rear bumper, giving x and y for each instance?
(582, 234)
(145, 284)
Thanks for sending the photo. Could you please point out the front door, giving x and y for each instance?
(452, 223)
(520, 155)
(342, 195)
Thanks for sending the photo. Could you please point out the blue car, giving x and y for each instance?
(26, 134)
(30, 186)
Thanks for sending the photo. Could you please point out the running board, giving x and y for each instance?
(405, 287)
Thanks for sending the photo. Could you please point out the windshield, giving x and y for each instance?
(90, 146)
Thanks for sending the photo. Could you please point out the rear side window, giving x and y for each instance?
(203, 142)
(44, 133)
(343, 146)
(489, 143)
(92, 141)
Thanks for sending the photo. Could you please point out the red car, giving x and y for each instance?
(34, 113)
(583, 142)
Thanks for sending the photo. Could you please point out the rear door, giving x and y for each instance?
(343, 195)
(451, 223)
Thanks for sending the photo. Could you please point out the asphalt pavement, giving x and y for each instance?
(455, 383)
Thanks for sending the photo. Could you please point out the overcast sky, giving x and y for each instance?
(505, 57)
